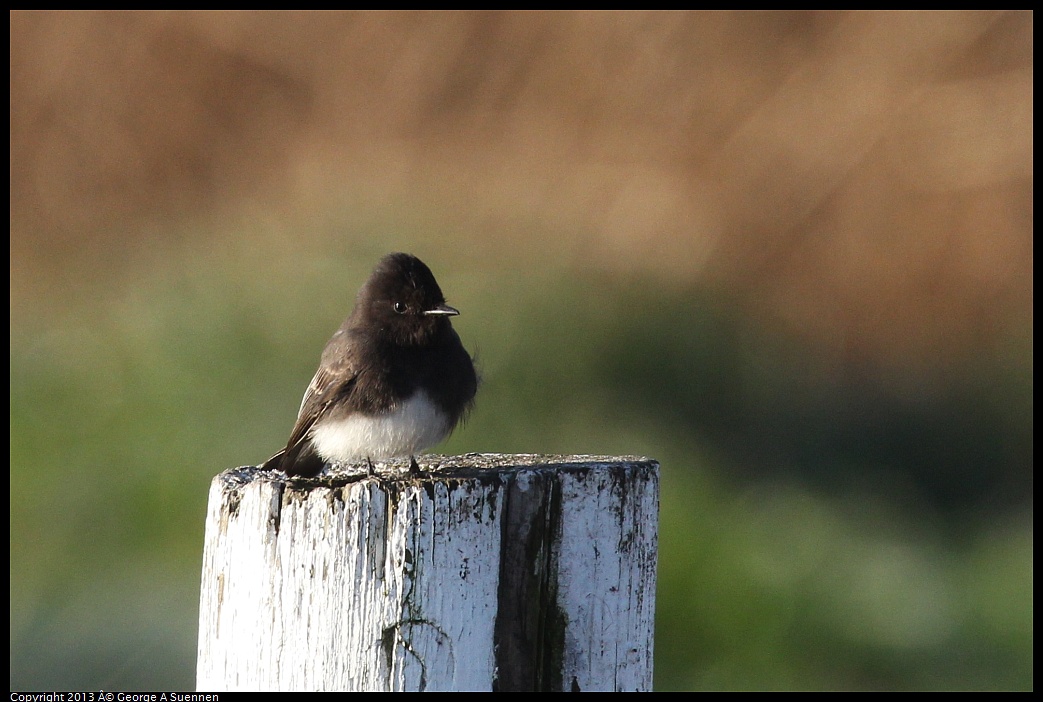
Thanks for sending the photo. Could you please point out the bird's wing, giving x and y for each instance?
(329, 384)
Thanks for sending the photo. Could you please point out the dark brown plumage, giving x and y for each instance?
(394, 379)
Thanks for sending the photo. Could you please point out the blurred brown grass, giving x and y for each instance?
(865, 177)
(206, 189)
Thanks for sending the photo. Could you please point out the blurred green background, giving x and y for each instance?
(787, 254)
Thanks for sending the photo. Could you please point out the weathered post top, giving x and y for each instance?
(484, 572)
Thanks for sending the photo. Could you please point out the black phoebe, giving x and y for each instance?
(393, 380)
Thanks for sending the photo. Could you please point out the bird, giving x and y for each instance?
(393, 380)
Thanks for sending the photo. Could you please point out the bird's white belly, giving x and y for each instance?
(416, 425)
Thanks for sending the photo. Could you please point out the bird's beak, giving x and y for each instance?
(443, 309)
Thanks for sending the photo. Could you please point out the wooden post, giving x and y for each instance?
(489, 572)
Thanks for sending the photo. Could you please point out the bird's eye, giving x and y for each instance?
(400, 307)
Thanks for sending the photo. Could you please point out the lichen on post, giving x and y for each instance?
(486, 572)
